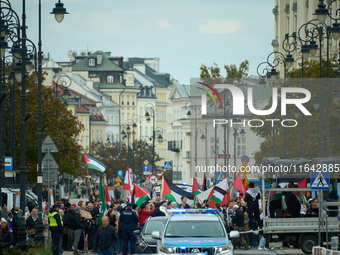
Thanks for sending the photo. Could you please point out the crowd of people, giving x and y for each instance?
(76, 227)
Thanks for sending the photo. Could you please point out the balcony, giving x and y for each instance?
(174, 146)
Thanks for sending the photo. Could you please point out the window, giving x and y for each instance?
(92, 135)
(141, 111)
(92, 62)
(133, 100)
(240, 146)
(117, 122)
(127, 100)
(212, 146)
(101, 135)
(120, 79)
(122, 100)
(128, 116)
(146, 131)
(109, 79)
(123, 118)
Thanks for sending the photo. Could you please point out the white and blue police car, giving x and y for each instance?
(198, 231)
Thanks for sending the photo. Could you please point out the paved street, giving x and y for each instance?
(251, 251)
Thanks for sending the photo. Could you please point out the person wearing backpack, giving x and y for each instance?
(69, 224)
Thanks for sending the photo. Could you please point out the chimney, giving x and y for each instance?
(99, 58)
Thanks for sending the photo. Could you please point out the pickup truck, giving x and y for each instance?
(303, 232)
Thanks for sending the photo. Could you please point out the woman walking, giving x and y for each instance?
(31, 224)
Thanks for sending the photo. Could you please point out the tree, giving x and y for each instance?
(294, 134)
(232, 72)
(107, 154)
(62, 128)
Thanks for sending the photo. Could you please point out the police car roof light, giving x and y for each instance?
(193, 211)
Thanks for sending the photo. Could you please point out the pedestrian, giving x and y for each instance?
(217, 205)
(4, 213)
(78, 229)
(251, 198)
(79, 192)
(113, 220)
(184, 204)
(144, 213)
(69, 224)
(157, 211)
(164, 207)
(238, 220)
(56, 227)
(129, 221)
(31, 224)
(106, 238)
(7, 237)
(94, 227)
(30, 206)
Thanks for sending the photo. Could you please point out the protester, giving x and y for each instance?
(129, 221)
(56, 227)
(230, 214)
(113, 220)
(78, 229)
(333, 197)
(69, 224)
(106, 238)
(293, 203)
(184, 204)
(31, 224)
(220, 213)
(94, 227)
(238, 220)
(157, 211)
(7, 237)
(251, 198)
(144, 213)
(4, 213)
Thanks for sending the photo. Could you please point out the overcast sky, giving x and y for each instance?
(183, 34)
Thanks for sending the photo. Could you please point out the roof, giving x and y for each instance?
(187, 91)
(103, 98)
(107, 64)
(50, 64)
(97, 117)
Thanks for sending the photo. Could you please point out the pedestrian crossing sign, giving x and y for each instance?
(219, 176)
(319, 180)
(167, 165)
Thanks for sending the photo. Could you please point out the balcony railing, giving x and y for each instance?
(174, 146)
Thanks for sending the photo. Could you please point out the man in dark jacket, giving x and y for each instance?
(129, 221)
(238, 219)
(56, 227)
(293, 204)
(106, 237)
(69, 224)
(157, 212)
(251, 198)
(78, 228)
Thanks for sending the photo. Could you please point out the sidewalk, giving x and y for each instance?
(270, 252)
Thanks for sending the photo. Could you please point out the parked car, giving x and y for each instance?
(145, 243)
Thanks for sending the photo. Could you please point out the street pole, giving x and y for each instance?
(235, 135)
(153, 141)
(40, 226)
(22, 243)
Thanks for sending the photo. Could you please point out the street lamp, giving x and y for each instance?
(59, 11)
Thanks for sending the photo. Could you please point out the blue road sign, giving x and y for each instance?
(8, 163)
(167, 165)
(145, 168)
(135, 176)
(319, 180)
(245, 158)
(120, 173)
(149, 167)
(219, 176)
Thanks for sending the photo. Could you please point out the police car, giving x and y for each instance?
(199, 231)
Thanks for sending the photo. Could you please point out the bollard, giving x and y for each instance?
(334, 243)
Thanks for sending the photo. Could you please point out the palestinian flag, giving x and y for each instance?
(107, 199)
(204, 186)
(144, 189)
(102, 202)
(195, 188)
(139, 195)
(174, 193)
(93, 163)
(217, 194)
(221, 187)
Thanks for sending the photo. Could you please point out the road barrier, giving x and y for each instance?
(317, 250)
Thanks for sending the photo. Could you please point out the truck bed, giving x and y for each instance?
(300, 225)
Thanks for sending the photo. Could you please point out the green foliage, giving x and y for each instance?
(231, 71)
(33, 249)
(60, 124)
(107, 154)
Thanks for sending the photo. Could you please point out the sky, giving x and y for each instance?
(183, 34)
